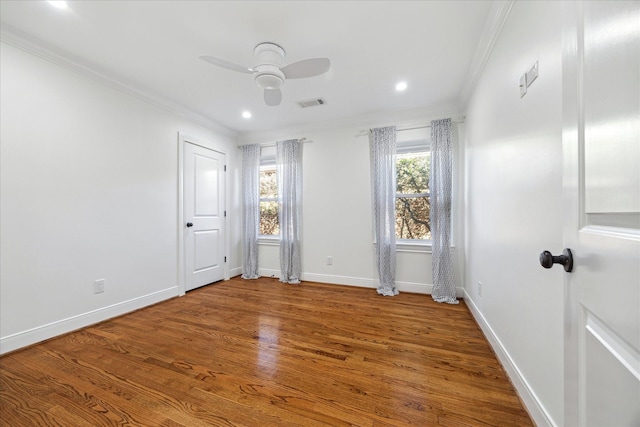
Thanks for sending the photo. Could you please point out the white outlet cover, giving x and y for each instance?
(98, 286)
(532, 74)
(523, 85)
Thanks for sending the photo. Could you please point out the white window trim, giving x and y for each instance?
(413, 245)
(410, 246)
(415, 146)
(268, 239)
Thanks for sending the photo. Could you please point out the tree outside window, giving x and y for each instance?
(412, 195)
(269, 224)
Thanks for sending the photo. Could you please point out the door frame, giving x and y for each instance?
(184, 139)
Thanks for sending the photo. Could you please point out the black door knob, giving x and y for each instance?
(566, 259)
(189, 224)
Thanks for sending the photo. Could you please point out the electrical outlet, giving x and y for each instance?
(523, 85)
(479, 289)
(329, 260)
(98, 286)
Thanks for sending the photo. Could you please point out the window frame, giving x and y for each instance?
(267, 161)
(421, 145)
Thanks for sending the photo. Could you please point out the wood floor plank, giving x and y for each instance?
(263, 353)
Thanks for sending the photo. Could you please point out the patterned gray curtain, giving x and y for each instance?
(383, 169)
(444, 288)
(250, 209)
(289, 174)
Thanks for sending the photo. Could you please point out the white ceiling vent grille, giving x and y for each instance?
(311, 102)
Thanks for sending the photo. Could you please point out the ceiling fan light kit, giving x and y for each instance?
(269, 77)
(268, 74)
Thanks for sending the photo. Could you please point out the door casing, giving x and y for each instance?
(181, 262)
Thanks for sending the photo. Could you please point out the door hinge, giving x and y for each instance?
(225, 259)
(225, 168)
(225, 214)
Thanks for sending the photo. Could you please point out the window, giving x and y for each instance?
(413, 162)
(269, 225)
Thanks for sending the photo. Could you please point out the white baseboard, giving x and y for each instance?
(535, 408)
(340, 280)
(44, 332)
(417, 288)
(267, 272)
(233, 272)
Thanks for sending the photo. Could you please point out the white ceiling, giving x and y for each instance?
(153, 47)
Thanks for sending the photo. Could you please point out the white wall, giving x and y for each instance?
(337, 209)
(513, 152)
(89, 190)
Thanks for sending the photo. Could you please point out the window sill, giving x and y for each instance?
(415, 247)
(409, 246)
(269, 240)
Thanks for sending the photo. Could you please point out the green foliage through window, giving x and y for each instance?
(412, 196)
(269, 224)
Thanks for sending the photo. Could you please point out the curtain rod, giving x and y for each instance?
(304, 140)
(413, 127)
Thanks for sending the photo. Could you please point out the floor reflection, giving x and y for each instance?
(268, 341)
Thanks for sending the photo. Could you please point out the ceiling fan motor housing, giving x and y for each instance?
(269, 77)
(269, 53)
(268, 74)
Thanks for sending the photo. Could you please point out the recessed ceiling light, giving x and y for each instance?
(401, 86)
(59, 4)
(246, 114)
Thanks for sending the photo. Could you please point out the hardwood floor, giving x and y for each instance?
(262, 353)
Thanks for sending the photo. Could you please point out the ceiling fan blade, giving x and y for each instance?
(306, 68)
(225, 64)
(272, 97)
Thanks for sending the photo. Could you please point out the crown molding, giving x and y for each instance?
(496, 19)
(408, 117)
(43, 50)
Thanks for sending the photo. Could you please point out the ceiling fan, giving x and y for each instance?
(268, 74)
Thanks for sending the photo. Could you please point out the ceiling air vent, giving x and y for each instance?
(311, 102)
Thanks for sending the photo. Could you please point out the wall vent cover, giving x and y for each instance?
(311, 102)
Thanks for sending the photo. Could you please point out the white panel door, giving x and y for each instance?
(601, 137)
(204, 214)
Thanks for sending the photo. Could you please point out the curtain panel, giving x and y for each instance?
(289, 175)
(383, 151)
(444, 288)
(250, 210)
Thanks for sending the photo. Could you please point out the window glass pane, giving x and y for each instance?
(412, 218)
(269, 218)
(268, 208)
(412, 172)
(268, 183)
(412, 201)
